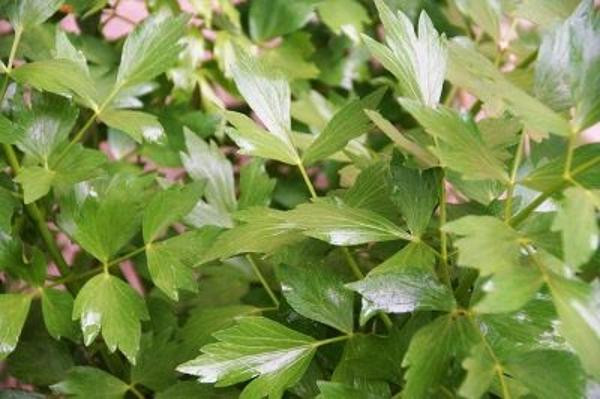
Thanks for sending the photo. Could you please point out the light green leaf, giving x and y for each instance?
(484, 13)
(480, 367)
(430, 352)
(138, 125)
(205, 161)
(59, 76)
(90, 382)
(348, 123)
(24, 14)
(8, 204)
(563, 380)
(206, 214)
(418, 62)
(255, 347)
(337, 390)
(9, 132)
(254, 140)
(57, 307)
(370, 191)
(344, 16)
(270, 18)
(415, 193)
(340, 224)
(170, 261)
(267, 93)
(36, 182)
(578, 224)
(461, 146)
(256, 186)
(167, 207)
(416, 255)
(316, 292)
(14, 313)
(406, 290)
(578, 307)
(546, 12)
(66, 50)
(264, 230)
(106, 303)
(487, 243)
(473, 72)
(150, 49)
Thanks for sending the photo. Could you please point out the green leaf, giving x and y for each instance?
(90, 382)
(24, 14)
(168, 207)
(584, 170)
(578, 305)
(268, 94)
(565, 379)
(138, 125)
(546, 12)
(57, 307)
(170, 261)
(8, 204)
(337, 390)
(480, 367)
(402, 291)
(14, 313)
(344, 16)
(264, 230)
(36, 182)
(461, 146)
(418, 62)
(414, 192)
(256, 186)
(339, 224)
(150, 49)
(319, 294)
(9, 132)
(106, 303)
(485, 13)
(255, 347)
(487, 243)
(370, 191)
(59, 76)
(416, 255)
(577, 222)
(430, 351)
(45, 126)
(156, 361)
(270, 18)
(348, 123)
(191, 389)
(206, 162)
(473, 72)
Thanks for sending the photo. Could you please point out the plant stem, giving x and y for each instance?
(513, 178)
(309, 184)
(262, 279)
(135, 392)
(332, 340)
(443, 236)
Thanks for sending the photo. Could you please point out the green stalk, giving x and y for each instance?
(262, 279)
(513, 178)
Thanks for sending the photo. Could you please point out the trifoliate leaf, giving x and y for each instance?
(461, 146)
(140, 126)
(107, 304)
(256, 186)
(268, 94)
(414, 192)
(316, 292)
(402, 291)
(270, 18)
(205, 161)
(487, 243)
(14, 313)
(348, 123)
(254, 140)
(90, 382)
(470, 70)
(167, 207)
(57, 307)
(340, 224)
(150, 49)
(255, 347)
(430, 351)
(418, 62)
(577, 222)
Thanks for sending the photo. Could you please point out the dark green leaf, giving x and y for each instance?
(270, 18)
(256, 186)
(90, 382)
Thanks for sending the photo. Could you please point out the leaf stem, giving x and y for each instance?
(309, 184)
(262, 279)
(333, 340)
(135, 392)
(513, 177)
(443, 236)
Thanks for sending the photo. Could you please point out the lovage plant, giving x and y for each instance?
(304, 199)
